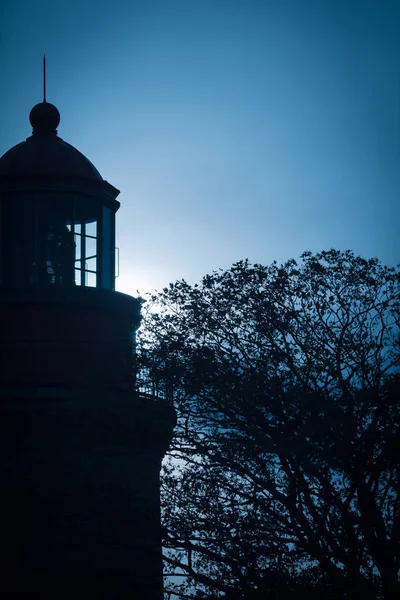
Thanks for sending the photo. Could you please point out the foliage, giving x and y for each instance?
(283, 475)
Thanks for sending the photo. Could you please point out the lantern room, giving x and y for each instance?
(57, 214)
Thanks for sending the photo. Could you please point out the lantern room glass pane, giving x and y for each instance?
(77, 238)
(84, 225)
(91, 229)
(91, 246)
(91, 280)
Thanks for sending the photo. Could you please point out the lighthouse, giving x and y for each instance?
(80, 450)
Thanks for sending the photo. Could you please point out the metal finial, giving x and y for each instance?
(44, 78)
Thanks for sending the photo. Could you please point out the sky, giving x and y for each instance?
(233, 128)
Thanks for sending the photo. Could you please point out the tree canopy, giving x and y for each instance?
(283, 475)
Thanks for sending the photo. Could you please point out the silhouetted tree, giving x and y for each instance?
(283, 475)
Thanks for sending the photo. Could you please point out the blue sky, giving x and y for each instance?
(233, 128)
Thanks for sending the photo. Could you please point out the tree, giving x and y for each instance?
(283, 475)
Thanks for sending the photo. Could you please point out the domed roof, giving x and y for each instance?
(44, 153)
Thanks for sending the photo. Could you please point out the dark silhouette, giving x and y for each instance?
(80, 452)
(283, 478)
(58, 258)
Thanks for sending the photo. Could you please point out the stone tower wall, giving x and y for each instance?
(80, 513)
(80, 453)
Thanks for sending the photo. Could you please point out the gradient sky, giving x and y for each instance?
(233, 128)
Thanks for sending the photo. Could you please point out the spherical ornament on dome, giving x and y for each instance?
(44, 117)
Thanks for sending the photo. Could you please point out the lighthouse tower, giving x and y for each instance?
(80, 452)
